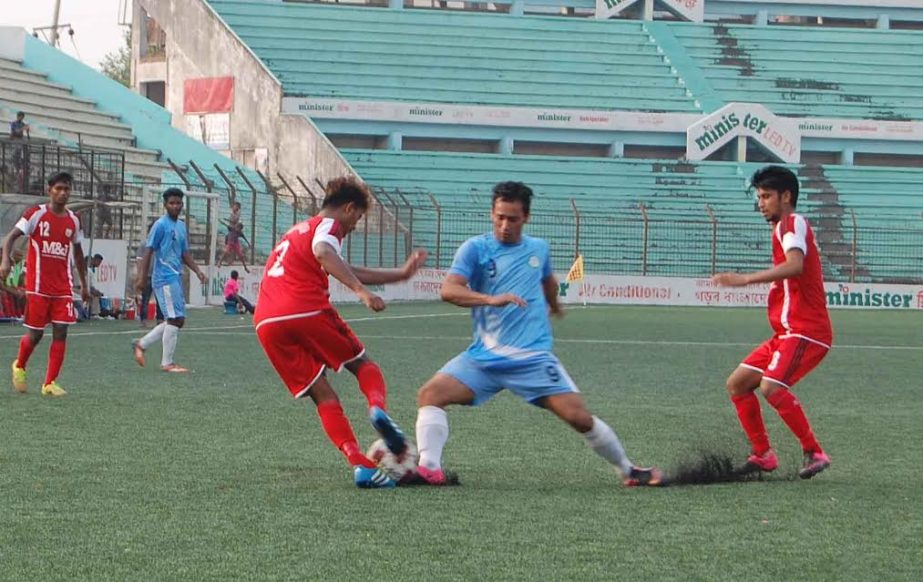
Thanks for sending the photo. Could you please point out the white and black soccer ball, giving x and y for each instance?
(398, 467)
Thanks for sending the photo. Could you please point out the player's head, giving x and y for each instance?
(20, 115)
(173, 202)
(96, 260)
(235, 275)
(348, 199)
(59, 188)
(776, 191)
(236, 206)
(510, 210)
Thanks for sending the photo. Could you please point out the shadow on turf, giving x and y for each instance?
(708, 468)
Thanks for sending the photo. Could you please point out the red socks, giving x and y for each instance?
(793, 415)
(340, 432)
(25, 350)
(372, 384)
(751, 419)
(55, 360)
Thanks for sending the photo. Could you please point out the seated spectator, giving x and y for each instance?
(19, 129)
(232, 246)
(232, 293)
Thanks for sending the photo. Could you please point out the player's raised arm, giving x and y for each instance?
(334, 265)
(383, 276)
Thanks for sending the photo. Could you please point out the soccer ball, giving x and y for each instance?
(398, 467)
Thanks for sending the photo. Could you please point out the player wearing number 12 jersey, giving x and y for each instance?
(303, 335)
(798, 316)
(54, 244)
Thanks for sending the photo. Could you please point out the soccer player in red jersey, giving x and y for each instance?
(54, 242)
(798, 316)
(303, 335)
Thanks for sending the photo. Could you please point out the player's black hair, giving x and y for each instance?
(97, 256)
(61, 178)
(513, 192)
(776, 178)
(342, 191)
(234, 274)
(20, 114)
(171, 192)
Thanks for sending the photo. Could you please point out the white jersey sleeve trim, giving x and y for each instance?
(78, 232)
(797, 238)
(322, 235)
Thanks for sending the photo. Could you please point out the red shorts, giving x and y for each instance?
(301, 348)
(785, 360)
(42, 310)
(233, 248)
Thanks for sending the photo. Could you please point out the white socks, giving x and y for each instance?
(603, 440)
(432, 433)
(169, 344)
(152, 336)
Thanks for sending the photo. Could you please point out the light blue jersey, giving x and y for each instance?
(169, 242)
(509, 333)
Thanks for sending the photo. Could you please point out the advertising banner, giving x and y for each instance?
(110, 277)
(778, 135)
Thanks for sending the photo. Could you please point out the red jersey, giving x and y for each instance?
(798, 305)
(294, 283)
(51, 250)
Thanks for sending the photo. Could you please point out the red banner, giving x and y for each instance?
(208, 95)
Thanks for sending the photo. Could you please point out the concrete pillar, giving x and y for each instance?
(396, 4)
(762, 18)
(395, 141)
(505, 145)
(884, 22)
(616, 150)
(847, 157)
(741, 148)
(648, 13)
(517, 8)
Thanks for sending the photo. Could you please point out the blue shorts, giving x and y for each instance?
(171, 300)
(530, 379)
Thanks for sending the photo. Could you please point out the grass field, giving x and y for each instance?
(220, 475)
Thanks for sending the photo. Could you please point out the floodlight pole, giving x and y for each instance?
(54, 23)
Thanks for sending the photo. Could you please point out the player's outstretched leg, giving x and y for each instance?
(388, 430)
(792, 414)
(372, 478)
(26, 346)
(149, 339)
(741, 387)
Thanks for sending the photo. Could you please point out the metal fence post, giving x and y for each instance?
(250, 185)
(438, 230)
(573, 204)
(714, 238)
(855, 247)
(643, 209)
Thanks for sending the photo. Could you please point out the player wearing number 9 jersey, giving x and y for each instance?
(54, 244)
(303, 335)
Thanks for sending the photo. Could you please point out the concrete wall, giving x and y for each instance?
(199, 44)
(12, 43)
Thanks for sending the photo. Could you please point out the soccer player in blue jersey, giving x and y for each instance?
(505, 277)
(168, 246)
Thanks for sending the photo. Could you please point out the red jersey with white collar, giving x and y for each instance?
(294, 283)
(798, 305)
(51, 250)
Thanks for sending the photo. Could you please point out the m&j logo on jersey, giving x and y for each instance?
(534, 262)
(68, 232)
(54, 249)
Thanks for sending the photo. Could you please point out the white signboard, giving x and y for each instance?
(693, 10)
(212, 129)
(609, 8)
(212, 293)
(778, 135)
(587, 119)
(110, 276)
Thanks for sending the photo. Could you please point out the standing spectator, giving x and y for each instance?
(19, 129)
(232, 292)
(232, 246)
(234, 217)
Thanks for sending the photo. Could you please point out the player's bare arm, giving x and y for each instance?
(144, 270)
(189, 262)
(383, 276)
(455, 290)
(81, 262)
(551, 289)
(792, 267)
(6, 263)
(334, 265)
